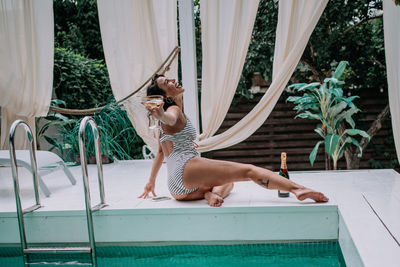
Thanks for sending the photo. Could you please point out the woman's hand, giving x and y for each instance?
(168, 117)
(149, 188)
(157, 112)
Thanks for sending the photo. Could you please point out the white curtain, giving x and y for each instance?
(137, 37)
(391, 24)
(296, 21)
(226, 27)
(26, 63)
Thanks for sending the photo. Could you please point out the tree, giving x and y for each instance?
(260, 54)
(81, 80)
(351, 31)
(77, 27)
(347, 31)
(80, 74)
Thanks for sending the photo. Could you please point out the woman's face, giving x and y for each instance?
(170, 86)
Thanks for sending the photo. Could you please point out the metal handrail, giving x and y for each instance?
(32, 150)
(89, 209)
(82, 149)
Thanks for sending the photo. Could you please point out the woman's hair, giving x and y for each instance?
(154, 89)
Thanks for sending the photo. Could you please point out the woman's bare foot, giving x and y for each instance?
(304, 193)
(213, 199)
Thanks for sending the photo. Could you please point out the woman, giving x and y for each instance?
(192, 177)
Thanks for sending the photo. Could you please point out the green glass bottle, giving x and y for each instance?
(283, 172)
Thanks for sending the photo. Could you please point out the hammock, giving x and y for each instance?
(167, 63)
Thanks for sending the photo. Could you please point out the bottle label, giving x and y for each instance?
(284, 173)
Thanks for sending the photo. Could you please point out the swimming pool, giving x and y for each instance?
(303, 254)
(251, 214)
(250, 234)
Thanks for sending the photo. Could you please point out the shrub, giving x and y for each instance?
(79, 81)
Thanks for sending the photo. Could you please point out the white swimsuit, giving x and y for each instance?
(183, 151)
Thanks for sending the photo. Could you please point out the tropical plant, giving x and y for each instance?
(42, 124)
(326, 103)
(118, 139)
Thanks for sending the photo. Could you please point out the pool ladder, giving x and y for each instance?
(91, 249)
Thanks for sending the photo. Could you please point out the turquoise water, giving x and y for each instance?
(310, 254)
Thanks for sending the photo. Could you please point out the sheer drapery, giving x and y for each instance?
(137, 37)
(296, 21)
(226, 27)
(26, 63)
(391, 24)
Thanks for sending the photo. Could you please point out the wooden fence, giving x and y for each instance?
(282, 133)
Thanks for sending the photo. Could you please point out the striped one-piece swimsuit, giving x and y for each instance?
(184, 150)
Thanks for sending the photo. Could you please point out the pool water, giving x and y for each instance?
(305, 254)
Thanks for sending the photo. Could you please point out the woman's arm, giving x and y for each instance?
(157, 162)
(169, 117)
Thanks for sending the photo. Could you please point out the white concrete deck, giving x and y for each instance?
(367, 203)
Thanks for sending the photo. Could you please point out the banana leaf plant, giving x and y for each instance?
(325, 102)
(52, 119)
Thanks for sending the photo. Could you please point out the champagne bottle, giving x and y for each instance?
(283, 172)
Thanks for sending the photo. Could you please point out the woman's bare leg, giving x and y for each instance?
(215, 198)
(203, 172)
(198, 194)
(214, 195)
(223, 190)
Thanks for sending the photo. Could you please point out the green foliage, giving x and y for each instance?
(255, 57)
(326, 103)
(260, 54)
(348, 31)
(197, 24)
(80, 75)
(118, 138)
(56, 120)
(79, 81)
(77, 27)
(386, 149)
(345, 31)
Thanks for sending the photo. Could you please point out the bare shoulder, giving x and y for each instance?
(177, 113)
(174, 110)
(180, 120)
